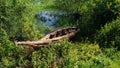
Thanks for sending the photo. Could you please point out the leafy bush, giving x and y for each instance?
(102, 12)
(11, 55)
(106, 11)
(60, 54)
(74, 6)
(92, 14)
(109, 35)
(17, 20)
(68, 55)
(16, 23)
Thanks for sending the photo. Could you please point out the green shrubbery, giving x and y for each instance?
(64, 54)
(109, 35)
(17, 20)
(11, 55)
(92, 14)
(17, 23)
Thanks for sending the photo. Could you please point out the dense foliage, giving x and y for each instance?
(60, 54)
(109, 35)
(99, 37)
(15, 20)
(89, 13)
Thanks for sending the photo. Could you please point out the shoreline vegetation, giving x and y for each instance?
(97, 45)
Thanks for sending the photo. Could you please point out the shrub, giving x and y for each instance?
(17, 20)
(109, 35)
(93, 14)
(105, 11)
(102, 12)
(68, 55)
(11, 55)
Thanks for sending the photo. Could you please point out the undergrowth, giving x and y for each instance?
(99, 36)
